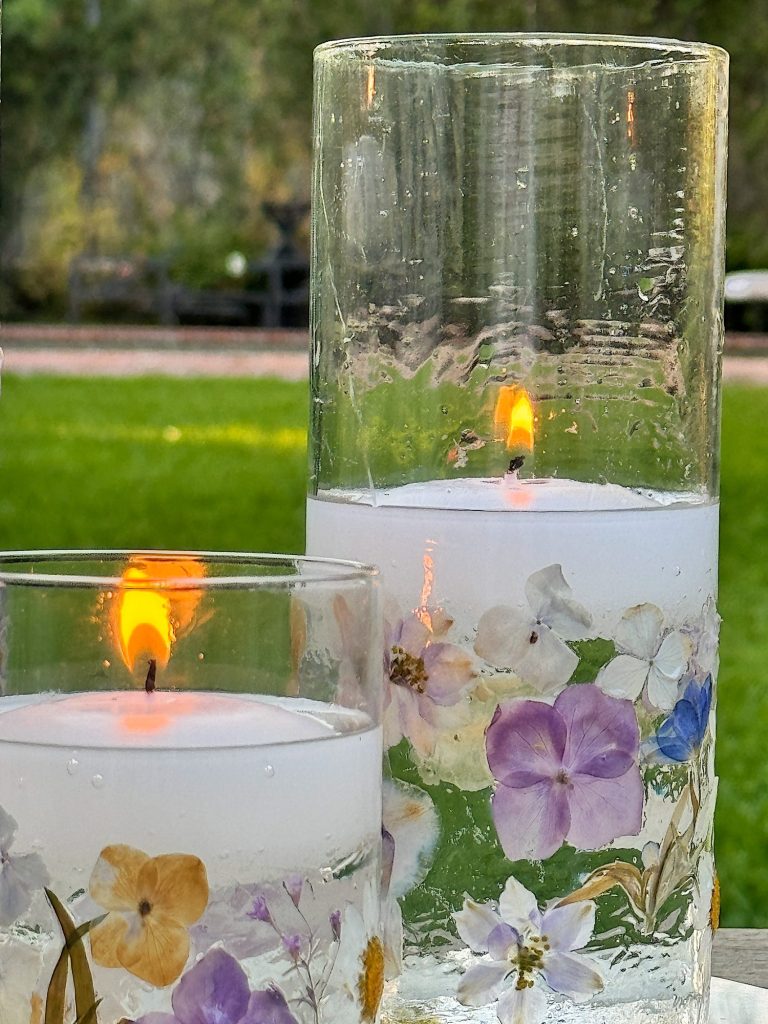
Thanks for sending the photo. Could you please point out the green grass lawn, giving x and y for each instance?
(221, 464)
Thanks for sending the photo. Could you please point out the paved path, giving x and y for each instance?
(145, 362)
(291, 365)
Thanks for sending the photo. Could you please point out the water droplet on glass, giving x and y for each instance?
(72, 765)
(106, 663)
(269, 770)
(97, 781)
(201, 656)
(677, 571)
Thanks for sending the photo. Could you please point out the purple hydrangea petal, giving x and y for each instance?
(603, 736)
(603, 809)
(268, 1006)
(214, 991)
(531, 822)
(525, 743)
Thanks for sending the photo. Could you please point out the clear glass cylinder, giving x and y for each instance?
(517, 330)
(190, 788)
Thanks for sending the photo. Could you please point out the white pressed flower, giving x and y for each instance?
(648, 655)
(532, 641)
(526, 949)
(356, 983)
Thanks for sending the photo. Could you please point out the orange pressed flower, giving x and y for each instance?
(370, 983)
(152, 901)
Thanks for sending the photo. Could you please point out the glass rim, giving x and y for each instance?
(666, 48)
(329, 570)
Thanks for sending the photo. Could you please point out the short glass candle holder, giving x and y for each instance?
(190, 789)
(517, 328)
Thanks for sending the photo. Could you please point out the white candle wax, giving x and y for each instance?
(161, 719)
(256, 787)
(468, 544)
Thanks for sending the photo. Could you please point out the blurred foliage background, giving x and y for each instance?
(158, 127)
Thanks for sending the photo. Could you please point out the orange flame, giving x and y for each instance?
(147, 618)
(514, 417)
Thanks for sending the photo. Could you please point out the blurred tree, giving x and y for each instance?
(159, 126)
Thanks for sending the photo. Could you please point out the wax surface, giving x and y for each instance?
(508, 493)
(642, 548)
(171, 720)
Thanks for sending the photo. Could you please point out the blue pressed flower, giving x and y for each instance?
(679, 736)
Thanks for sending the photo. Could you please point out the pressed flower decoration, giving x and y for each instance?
(216, 991)
(21, 875)
(650, 658)
(534, 732)
(532, 642)
(425, 673)
(680, 735)
(527, 952)
(152, 901)
(566, 772)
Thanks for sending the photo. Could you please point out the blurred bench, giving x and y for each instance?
(138, 286)
(746, 301)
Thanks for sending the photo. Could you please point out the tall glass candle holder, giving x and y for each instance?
(517, 326)
(190, 789)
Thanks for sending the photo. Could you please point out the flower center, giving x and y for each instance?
(370, 984)
(145, 908)
(407, 670)
(528, 958)
(562, 777)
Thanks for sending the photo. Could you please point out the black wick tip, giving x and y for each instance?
(149, 683)
(516, 463)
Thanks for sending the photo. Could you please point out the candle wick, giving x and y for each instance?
(149, 683)
(516, 464)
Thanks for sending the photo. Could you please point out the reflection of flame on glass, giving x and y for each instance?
(631, 115)
(147, 617)
(370, 85)
(422, 612)
(514, 417)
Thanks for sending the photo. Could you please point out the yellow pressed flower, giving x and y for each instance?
(370, 984)
(152, 901)
(714, 907)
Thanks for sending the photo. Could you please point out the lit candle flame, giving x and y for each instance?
(514, 417)
(146, 617)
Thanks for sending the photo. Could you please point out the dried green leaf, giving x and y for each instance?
(56, 996)
(90, 1016)
(602, 879)
(85, 996)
